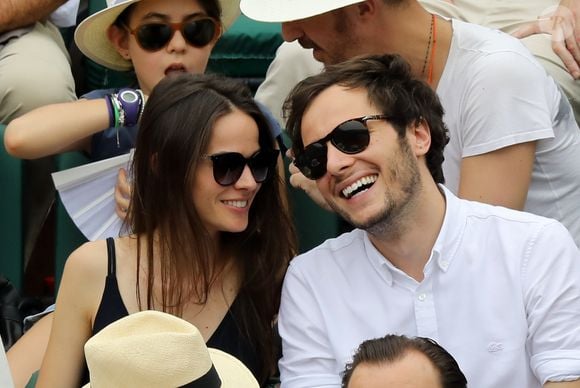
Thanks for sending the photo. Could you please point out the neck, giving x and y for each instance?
(424, 43)
(410, 248)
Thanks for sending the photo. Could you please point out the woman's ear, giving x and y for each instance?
(119, 38)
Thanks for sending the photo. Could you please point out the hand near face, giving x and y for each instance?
(299, 181)
(563, 23)
(122, 194)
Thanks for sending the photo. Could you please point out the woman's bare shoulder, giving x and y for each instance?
(83, 280)
(88, 262)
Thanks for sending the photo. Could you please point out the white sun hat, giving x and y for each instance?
(289, 10)
(91, 34)
(152, 349)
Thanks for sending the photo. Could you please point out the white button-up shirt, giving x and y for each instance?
(501, 293)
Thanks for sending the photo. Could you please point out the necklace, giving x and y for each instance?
(428, 46)
(433, 46)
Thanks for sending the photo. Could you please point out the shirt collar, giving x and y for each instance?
(451, 231)
(378, 261)
(445, 246)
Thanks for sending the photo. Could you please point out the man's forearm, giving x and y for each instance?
(569, 384)
(20, 13)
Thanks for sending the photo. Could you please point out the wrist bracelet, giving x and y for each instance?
(125, 107)
(119, 115)
(131, 103)
(110, 110)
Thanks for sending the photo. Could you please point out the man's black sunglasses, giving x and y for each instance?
(228, 167)
(350, 137)
(197, 32)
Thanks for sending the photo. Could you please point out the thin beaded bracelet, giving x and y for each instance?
(111, 111)
(120, 112)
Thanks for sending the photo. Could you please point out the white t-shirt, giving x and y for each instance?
(66, 14)
(5, 375)
(501, 293)
(291, 65)
(490, 103)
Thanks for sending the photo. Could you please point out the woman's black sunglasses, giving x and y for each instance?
(350, 137)
(197, 32)
(228, 167)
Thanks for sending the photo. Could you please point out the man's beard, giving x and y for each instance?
(392, 220)
(347, 44)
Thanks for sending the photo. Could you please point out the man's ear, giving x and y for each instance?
(367, 8)
(119, 38)
(421, 136)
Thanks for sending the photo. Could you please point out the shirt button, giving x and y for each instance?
(444, 264)
(422, 297)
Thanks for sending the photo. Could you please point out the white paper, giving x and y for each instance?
(87, 193)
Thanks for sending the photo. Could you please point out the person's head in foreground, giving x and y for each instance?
(207, 201)
(158, 350)
(155, 37)
(402, 362)
(371, 135)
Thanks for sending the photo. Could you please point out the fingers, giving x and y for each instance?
(293, 169)
(568, 58)
(526, 30)
(121, 207)
(564, 42)
(296, 177)
(572, 61)
(560, 22)
(299, 181)
(122, 194)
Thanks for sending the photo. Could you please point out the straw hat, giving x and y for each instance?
(151, 349)
(289, 10)
(91, 34)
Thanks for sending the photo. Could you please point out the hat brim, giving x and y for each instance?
(92, 39)
(233, 373)
(289, 10)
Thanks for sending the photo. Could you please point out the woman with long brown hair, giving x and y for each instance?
(211, 238)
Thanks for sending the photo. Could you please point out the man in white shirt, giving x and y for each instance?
(501, 107)
(496, 287)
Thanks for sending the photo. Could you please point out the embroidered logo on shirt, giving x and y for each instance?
(494, 347)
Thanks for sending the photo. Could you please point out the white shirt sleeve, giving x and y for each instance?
(5, 375)
(307, 359)
(551, 290)
(66, 14)
(291, 65)
(507, 102)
